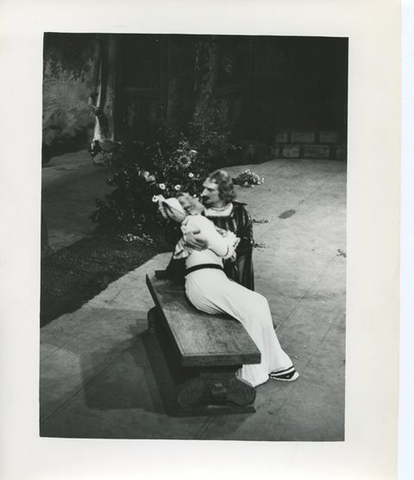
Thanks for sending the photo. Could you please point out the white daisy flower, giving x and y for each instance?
(162, 186)
(177, 187)
(191, 175)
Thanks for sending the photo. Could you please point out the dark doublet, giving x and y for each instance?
(241, 270)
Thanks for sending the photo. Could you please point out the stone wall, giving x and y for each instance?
(296, 84)
(310, 144)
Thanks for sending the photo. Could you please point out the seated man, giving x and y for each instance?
(218, 199)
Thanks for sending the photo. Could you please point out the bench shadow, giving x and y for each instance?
(134, 374)
(140, 373)
(160, 375)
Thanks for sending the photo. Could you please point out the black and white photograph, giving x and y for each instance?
(193, 237)
(204, 240)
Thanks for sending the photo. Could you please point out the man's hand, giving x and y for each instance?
(195, 240)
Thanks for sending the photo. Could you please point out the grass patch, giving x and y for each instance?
(73, 275)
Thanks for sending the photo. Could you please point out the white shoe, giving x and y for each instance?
(287, 375)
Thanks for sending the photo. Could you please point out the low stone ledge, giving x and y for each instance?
(302, 137)
(291, 151)
(281, 137)
(316, 151)
(329, 137)
(340, 153)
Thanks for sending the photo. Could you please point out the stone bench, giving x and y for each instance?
(203, 351)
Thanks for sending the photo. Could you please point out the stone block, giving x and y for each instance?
(302, 137)
(275, 152)
(281, 137)
(291, 151)
(316, 151)
(340, 153)
(329, 137)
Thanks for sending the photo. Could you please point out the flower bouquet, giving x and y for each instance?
(248, 179)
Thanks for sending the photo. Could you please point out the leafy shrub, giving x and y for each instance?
(175, 161)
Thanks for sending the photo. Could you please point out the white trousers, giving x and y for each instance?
(212, 292)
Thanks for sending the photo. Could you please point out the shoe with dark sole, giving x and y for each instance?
(288, 375)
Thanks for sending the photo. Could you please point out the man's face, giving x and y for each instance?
(210, 194)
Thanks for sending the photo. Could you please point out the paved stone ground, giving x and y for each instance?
(102, 373)
(70, 185)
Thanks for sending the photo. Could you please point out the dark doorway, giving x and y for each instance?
(141, 85)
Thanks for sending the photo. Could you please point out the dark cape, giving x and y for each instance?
(241, 270)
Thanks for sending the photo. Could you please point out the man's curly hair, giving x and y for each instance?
(225, 185)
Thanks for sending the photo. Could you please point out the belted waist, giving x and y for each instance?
(202, 266)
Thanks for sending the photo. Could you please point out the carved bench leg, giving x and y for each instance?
(215, 389)
(241, 393)
(209, 390)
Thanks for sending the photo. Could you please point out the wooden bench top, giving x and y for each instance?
(202, 340)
